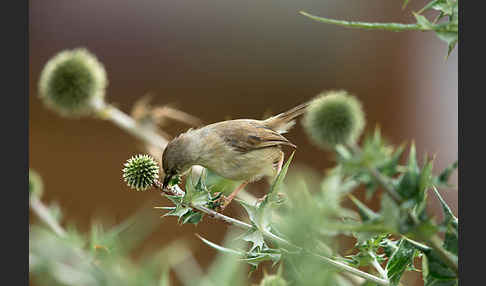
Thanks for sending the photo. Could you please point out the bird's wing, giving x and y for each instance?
(247, 135)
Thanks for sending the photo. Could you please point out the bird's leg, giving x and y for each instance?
(279, 165)
(227, 200)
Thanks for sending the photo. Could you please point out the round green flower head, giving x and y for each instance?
(273, 280)
(140, 172)
(334, 117)
(35, 184)
(73, 82)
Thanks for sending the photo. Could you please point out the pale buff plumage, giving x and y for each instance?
(241, 150)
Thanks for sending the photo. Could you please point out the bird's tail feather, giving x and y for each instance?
(284, 121)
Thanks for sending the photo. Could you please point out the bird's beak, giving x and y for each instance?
(166, 181)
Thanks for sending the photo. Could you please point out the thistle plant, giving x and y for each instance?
(36, 186)
(445, 24)
(73, 83)
(140, 172)
(334, 117)
(298, 226)
(300, 232)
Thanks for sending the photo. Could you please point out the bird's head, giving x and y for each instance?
(176, 159)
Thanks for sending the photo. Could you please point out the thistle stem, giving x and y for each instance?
(382, 180)
(395, 27)
(128, 124)
(43, 214)
(177, 191)
(377, 266)
(350, 269)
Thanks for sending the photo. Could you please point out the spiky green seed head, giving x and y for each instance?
(35, 184)
(141, 172)
(73, 82)
(334, 117)
(273, 280)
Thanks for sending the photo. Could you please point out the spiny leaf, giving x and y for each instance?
(443, 178)
(408, 185)
(255, 237)
(195, 194)
(176, 200)
(389, 246)
(425, 180)
(399, 261)
(451, 224)
(389, 168)
(444, 6)
(201, 182)
(193, 217)
(412, 159)
(179, 211)
(220, 248)
(450, 37)
(423, 22)
(435, 272)
(451, 240)
(366, 213)
(251, 210)
(258, 257)
(448, 214)
(280, 177)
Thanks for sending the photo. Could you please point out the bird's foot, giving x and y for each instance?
(225, 201)
(222, 203)
(260, 200)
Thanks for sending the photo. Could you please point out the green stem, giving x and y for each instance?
(377, 266)
(382, 180)
(128, 124)
(396, 27)
(355, 271)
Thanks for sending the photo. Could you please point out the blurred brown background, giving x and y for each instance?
(229, 59)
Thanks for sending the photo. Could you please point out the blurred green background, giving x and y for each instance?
(229, 59)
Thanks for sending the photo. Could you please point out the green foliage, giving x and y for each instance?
(273, 280)
(312, 218)
(334, 117)
(100, 257)
(140, 172)
(436, 272)
(399, 261)
(302, 233)
(443, 178)
(35, 184)
(73, 82)
(447, 30)
(450, 224)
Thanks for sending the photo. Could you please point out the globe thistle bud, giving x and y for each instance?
(140, 172)
(273, 280)
(73, 82)
(334, 117)
(35, 184)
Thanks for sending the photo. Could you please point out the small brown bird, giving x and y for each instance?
(242, 150)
